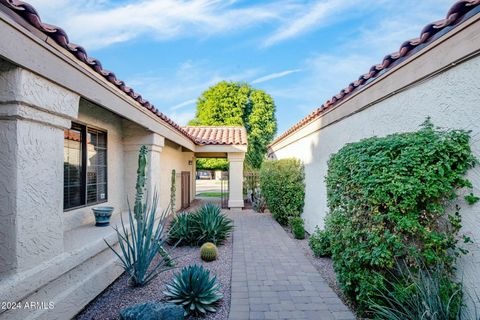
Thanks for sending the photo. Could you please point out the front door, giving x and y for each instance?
(185, 186)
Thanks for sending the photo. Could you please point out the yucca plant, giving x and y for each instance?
(195, 290)
(428, 294)
(211, 225)
(182, 230)
(142, 239)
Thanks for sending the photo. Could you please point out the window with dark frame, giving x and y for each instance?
(85, 166)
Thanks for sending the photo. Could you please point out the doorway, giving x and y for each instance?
(185, 189)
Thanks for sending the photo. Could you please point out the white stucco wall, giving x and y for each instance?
(171, 158)
(31, 160)
(451, 99)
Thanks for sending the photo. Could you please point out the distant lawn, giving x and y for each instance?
(211, 194)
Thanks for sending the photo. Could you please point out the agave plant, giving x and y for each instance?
(194, 290)
(258, 203)
(182, 230)
(211, 225)
(143, 238)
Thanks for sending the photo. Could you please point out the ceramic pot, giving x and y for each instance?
(102, 216)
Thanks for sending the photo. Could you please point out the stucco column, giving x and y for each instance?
(33, 115)
(132, 144)
(235, 175)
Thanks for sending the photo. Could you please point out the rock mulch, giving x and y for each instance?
(120, 294)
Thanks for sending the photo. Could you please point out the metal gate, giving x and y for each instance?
(185, 186)
(251, 185)
(224, 189)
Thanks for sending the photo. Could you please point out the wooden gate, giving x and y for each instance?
(185, 186)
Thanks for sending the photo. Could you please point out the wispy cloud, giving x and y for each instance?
(188, 79)
(370, 30)
(275, 75)
(310, 18)
(183, 104)
(159, 19)
(182, 118)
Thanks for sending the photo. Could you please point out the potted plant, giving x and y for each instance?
(102, 215)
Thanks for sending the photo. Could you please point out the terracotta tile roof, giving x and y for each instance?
(218, 135)
(71, 135)
(459, 12)
(30, 15)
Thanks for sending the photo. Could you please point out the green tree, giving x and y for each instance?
(238, 104)
(212, 164)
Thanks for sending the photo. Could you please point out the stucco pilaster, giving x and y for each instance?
(235, 175)
(33, 115)
(132, 144)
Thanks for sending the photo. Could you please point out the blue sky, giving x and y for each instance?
(301, 52)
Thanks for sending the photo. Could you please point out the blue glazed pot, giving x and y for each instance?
(102, 216)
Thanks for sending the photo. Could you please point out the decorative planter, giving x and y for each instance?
(102, 216)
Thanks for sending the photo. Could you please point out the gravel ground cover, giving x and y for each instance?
(120, 294)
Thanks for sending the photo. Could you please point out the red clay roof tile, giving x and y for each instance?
(218, 135)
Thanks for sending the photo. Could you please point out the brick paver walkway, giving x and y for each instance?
(273, 279)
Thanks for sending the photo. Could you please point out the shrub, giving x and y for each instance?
(319, 242)
(210, 225)
(426, 294)
(207, 224)
(388, 198)
(208, 252)
(142, 239)
(152, 310)
(282, 184)
(298, 230)
(182, 230)
(195, 290)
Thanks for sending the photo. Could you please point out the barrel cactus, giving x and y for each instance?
(208, 251)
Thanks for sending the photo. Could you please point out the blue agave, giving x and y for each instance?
(194, 290)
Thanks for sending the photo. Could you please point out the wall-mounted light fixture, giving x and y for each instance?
(190, 162)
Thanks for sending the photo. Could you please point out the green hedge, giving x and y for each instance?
(387, 199)
(298, 227)
(282, 183)
(320, 244)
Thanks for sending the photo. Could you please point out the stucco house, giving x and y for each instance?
(436, 75)
(70, 132)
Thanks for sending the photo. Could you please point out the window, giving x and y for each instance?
(85, 166)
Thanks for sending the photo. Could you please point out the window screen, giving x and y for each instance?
(96, 166)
